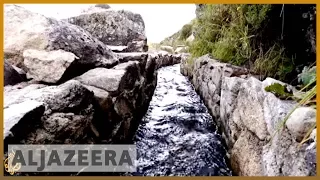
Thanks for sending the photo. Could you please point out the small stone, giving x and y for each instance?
(300, 121)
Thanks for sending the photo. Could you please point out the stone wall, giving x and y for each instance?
(73, 88)
(248, 117)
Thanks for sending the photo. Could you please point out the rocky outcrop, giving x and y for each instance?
(248, 117)
(25, 30)
(116, 28)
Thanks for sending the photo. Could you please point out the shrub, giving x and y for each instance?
(248, 35)
(186, 31)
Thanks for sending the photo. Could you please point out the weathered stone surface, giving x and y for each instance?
(133, 56)
(248, 116)
(300, 121)
(311, 159)
(246, 155)
(66, 118)
(34, 31)
(15, 114)
(111, 80)
(118, 49)
(47, 66)
(313, 135)
(207, 78)
(117, 28)
(11, 76)
(139, 45)
(169, 49)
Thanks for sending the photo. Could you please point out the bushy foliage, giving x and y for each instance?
(234, 33)
(185, 31)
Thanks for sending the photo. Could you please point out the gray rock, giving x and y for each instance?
(300, 121)
(137, 46)
(118, 49)
(18, 114)
(133, 56)
(179, 50)
(68, 112)
(313, 135)
(117, 28)
(47, 66)
(209, 72)
(311, 158)
(11, 76)
(27, 30)
(282, 157)
(111, 80)
(246, 157)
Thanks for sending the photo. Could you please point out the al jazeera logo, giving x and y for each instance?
(8, 164)
(70, 158)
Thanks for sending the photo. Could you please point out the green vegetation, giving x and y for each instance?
(179, 38)
(308, 98)
(279, 91)
(186, 31)
(232, 33)
(307, 76)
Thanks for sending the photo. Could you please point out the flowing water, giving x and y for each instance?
(177, 135)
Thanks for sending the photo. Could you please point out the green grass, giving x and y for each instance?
(229, 32)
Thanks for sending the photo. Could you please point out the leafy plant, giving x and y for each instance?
(308, 75)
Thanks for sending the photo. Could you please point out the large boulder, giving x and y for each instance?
(116, 28)
(27, 30)
(47, 66)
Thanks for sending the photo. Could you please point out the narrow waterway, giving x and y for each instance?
(177, 136)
